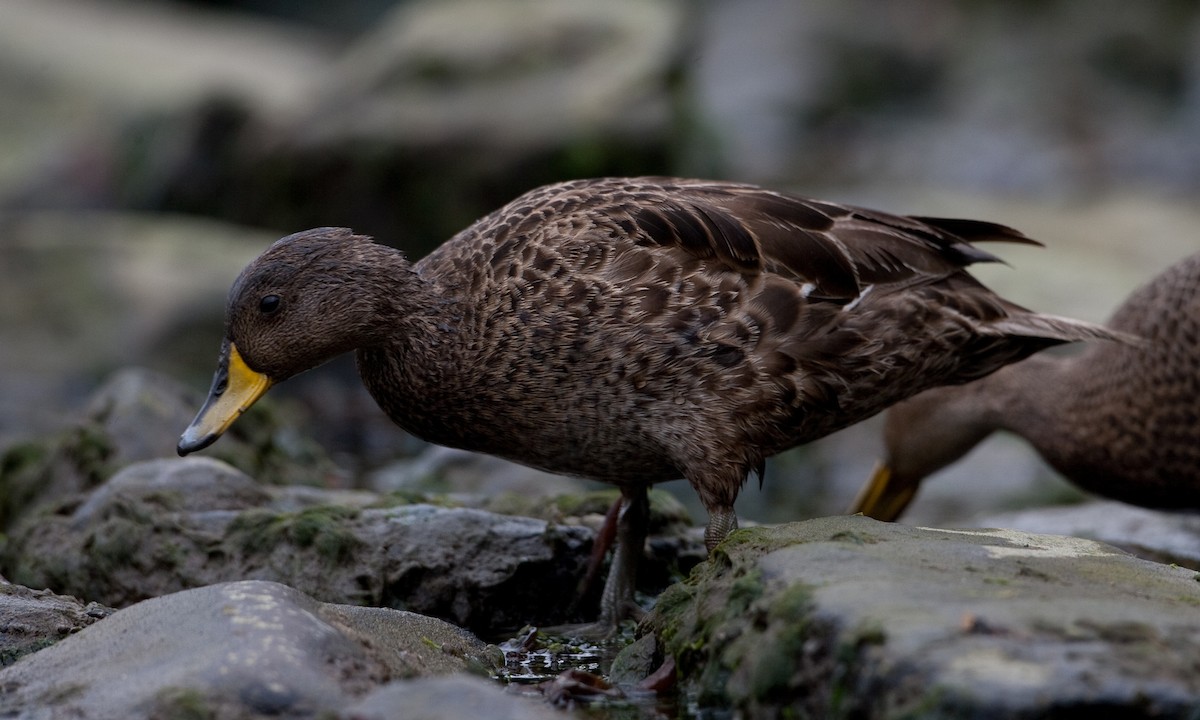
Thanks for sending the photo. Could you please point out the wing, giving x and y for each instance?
(835, 250)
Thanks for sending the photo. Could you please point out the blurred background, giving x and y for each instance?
(149, 149)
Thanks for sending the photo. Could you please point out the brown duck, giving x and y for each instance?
(1121, 420)
(633, 330)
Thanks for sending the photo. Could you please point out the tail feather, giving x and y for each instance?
(1054, 327)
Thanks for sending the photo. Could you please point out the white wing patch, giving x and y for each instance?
(854, 303)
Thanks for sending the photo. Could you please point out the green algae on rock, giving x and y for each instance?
(166, 525)
(124, 423)
(321, 527)
(849, 617)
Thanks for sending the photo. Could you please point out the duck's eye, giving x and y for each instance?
(268, 304)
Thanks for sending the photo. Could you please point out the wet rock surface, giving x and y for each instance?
(267, 650)
(1166, 537)
(446, 698)
(31, 620)
(849, 617)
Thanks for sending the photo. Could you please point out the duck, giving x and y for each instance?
(633, 331)
(1120, 420)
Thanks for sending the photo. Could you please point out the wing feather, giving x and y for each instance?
(835, 249)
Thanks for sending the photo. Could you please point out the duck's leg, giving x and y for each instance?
(617, 602)
(605, 538)
(721, 521)
(718, 486)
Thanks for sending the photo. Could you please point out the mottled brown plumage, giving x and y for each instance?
(636, 330)
(1121, 420)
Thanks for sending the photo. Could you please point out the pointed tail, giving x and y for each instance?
(1061, 329)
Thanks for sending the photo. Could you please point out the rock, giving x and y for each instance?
(138, 411)
(166, 525)
(1167, 537)
(447, 470)
(153, 56)
(128, 419)
(84, 294)
(983, 98)
(443, 112)
(136, 416)
(498, 485)
(31, 620)
(446, 698)
(447, 110)
(239, 649)
(849, 617)
(70, 88)
(489, 483)
(635, 661)
(192, 485)
(517, 76)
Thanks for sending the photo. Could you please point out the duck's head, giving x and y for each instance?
(310, 297)
(922, 435)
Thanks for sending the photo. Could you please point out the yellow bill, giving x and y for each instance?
(235, 388)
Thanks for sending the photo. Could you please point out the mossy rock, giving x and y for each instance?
(742, 638)
(137, 415)
(849, 617)
(322, 528)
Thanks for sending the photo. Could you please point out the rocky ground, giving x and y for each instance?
(849, 617)
(246, 649)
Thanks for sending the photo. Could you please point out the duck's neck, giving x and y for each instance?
(1024, 398)
(411, 363)
(1049, 400)
(1060, 412)
(936, 428)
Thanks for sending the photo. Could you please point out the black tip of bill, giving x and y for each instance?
(235, 388)
(191, 441)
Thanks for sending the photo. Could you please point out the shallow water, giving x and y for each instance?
(573, 673)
